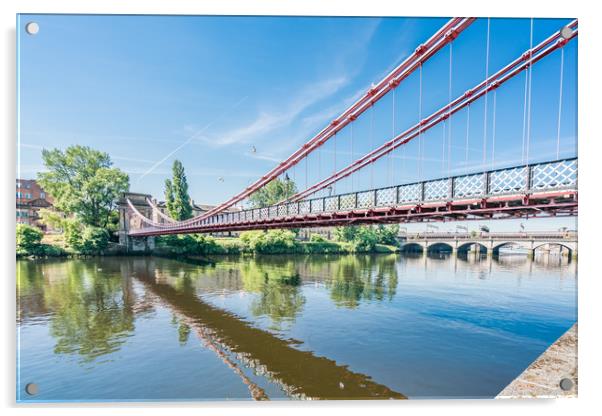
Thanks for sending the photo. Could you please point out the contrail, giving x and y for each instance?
(191, 138)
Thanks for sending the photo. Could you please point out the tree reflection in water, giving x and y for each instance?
(277, 286)
(90, 309)
(361, 278)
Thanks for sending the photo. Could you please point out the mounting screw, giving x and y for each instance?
(31, 389)
(566, 384)
(566, 33)
(32, 28)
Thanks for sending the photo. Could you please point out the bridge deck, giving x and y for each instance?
(528, 190)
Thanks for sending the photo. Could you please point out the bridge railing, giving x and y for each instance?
(525, 179)
(544, 235)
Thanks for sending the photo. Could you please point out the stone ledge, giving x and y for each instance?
(542, 378)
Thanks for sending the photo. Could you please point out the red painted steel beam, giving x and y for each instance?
(541, 203)
(521, 63)
(446, 34)
(556, 209)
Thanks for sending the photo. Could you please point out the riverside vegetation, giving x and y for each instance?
(78, 239)
(85, 187)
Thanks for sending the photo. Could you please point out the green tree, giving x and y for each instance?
(28, 237)
(387, 234)
(87, 239)
(346, 233)
(273, 192)
(83, 182)
(176, 194)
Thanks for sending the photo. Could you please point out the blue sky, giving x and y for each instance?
(208, 90)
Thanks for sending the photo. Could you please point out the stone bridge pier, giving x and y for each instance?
(129, 221)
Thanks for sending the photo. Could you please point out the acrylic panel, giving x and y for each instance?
(295, 208)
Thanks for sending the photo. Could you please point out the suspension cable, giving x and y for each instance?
(393, 124)
(420, 126)
(486, 107)
(334, 141)
(530, 71)
(372, 145)
(352, 176)
(493, 130)
(306, 169)
(319, 162)
(444, 143)
(449, 100)
(560, 103)
(525, 118)
(520, 64)
(467, 133)
(447, 33)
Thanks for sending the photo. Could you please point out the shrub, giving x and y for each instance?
(316, 238)
(48, 250)
(179, 244)
(85, 239)
(387, 234)
(326, 247)
(273, 242)
(93, 240)
(365, 240)
(28, 237)
(348, 233)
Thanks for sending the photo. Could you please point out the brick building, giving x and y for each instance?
(30, 198)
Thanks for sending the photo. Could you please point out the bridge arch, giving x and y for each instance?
(570, 247)
(413, 247)
(467, 246)
(440, 247)
(498, 246)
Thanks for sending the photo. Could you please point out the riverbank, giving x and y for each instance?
(542, 378)
(193, 245)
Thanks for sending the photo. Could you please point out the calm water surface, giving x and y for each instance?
(282, 327)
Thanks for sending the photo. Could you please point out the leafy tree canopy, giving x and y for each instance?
(83, 182)
(273, 192)
(176, 194)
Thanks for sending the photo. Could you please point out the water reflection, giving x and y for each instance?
(92, 307)
(92, 313)
(300, 374)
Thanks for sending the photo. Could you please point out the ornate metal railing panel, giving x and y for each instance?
(347, 201)
(317, 205)
(386, 197)
(437, 190)
(409, 193)
(331, 203)
(470, 185)
(365, 199)
(508, 180)
(554, 175)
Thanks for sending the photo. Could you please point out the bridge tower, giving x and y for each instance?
(128, 221)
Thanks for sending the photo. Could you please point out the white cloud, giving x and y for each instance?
(269, 121)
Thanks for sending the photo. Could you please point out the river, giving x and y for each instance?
(286, 327)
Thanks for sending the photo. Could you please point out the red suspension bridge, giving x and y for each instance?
(524, 190)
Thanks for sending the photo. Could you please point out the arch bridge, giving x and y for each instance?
(565, 243)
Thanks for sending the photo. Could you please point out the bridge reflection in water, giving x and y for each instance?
(299, 373)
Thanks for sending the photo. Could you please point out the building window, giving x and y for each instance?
(28, 196)
(19, 195)
(28, 185)
(18, 184)
(43, 195)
